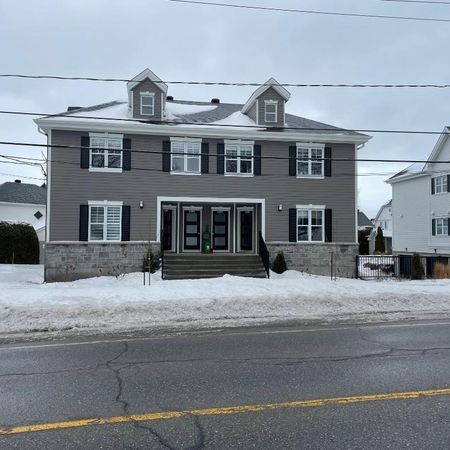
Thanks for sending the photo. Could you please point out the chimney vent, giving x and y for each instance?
(215, 100)
(169, 98)
(17, 181)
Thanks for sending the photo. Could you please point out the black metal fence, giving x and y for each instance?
(399, 266)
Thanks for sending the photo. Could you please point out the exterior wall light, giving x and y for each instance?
(280, 207)
(141, 204)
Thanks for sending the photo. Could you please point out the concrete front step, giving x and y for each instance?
(189, 266)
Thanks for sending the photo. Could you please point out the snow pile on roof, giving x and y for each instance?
(236, 119)
(410, 170)
(112, 304)
(114, 110)
(183, 109)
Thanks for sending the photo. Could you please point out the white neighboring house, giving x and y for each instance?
(383, 220)
(421, 204)
(23, 202)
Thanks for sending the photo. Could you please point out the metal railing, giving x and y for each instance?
(264, 254)
(377, 266)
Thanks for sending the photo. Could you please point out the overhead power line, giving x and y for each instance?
(423, 2)
(254, 127)
(20, 176)
(237, 83)
(309, 11)
(160, 152)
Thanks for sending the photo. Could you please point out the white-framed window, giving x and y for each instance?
(441, 227)
(310, 160)
(440, 184)
(270, 110)
(106, 152)
(239, 158)
(105, 221)
(310, 224)
(147, 104)
(185, 156)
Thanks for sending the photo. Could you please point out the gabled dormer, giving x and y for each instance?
(266, 106)
(146, 96)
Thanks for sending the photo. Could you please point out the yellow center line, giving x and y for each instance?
(222, 411)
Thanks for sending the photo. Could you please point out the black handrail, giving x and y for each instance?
(264, 254)
(161, 255)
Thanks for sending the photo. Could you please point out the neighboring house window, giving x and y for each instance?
(106, 152)
(310, 225)
(105, 222)
(441, 227)
(38, 215)
(310, 160)
(186, 156)
(239, 158)
(440, 184)
(147, 104)
(270, 110)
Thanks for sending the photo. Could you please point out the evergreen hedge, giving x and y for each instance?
(379, 242)
(279, 263)
(19, 244)
(363, 242)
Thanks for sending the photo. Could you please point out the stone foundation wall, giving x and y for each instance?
(316, 258)
(75, 260)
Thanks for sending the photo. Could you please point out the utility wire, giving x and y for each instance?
(254, 127)
(423, 2)
(309, 11)
(20, 176)
(160, 152)
(227, 83)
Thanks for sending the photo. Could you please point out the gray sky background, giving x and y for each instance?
(111, 38)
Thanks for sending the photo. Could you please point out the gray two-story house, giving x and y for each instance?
(185, 177)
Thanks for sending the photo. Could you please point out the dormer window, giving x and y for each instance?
(270, 110)
(147, 104)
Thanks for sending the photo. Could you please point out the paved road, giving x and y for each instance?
(128, 382)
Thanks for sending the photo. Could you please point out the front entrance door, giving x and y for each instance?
(168, 229)
(246, 230)
(220, 229)
(191, 230)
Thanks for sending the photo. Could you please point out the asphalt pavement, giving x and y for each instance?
(350, 387)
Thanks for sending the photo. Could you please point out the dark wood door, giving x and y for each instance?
(168, 216)
(246, 221)
(220, 230)
(191, 230)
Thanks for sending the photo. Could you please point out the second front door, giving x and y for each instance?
(191, 230)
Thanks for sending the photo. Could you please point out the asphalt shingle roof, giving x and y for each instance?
(13, 192)
(363, 220)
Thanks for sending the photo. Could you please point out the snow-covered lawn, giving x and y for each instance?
(123, 303)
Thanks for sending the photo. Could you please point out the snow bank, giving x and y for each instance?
(123, 303)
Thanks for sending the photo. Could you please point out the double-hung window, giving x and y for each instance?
(239, 158)
(441, 227)
(106, 152)
(310, 160)
(147, 104)
(310, 225)
(185, 155)
(105, 222)
(270, 110)
(440, 184)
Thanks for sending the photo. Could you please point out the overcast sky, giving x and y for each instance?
(109, 38)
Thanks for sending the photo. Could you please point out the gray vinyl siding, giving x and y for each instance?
(72, 186)
(252, 112)
(271, 94)
(146, 86)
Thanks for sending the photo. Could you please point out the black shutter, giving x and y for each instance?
(220, 158)
(126, 161)
(84, 152)
(448, 183)
(448, 227)
(327, 162)
(433, 227)
(84, 220)
(257, 160)
(125, 223)
(292, 225)
(328, 226)
(166, 156)
(292, 161)
(205, 157)
(433, 188)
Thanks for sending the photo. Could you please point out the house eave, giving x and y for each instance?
(406, 177)
(194, 131)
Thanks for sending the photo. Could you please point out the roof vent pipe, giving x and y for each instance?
(215, 100)
(17, 181)
(169, 98)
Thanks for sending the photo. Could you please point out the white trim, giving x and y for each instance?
(192, 208)
(149, 95)
(49, 171)
(257, 111)
(271, 102)
(356, 196)
(228, 210)
(185, 139)
(106, 149)
(106, 135)
(185, 156)
(104, 204)
(24, 204)
(239, 143)
(147, 73)
(162, 105)
(309, 226)
(309, 147)
(270, 83)
(160, 199)
(310, 206)
(72, 123)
